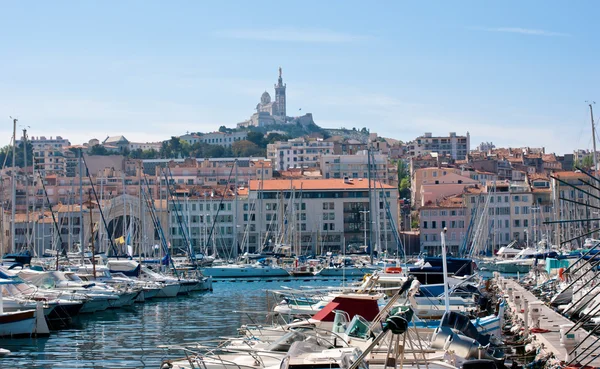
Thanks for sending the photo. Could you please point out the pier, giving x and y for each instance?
(584, 349)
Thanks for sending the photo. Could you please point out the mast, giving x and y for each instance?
(370, 207)
(235, 212)
(13, 188)
(595, 157)
(81, 247)
(27, 238)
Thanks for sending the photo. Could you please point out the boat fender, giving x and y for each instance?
(393, 270)
(561, 274)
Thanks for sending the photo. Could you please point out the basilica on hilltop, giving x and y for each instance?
(269, 112)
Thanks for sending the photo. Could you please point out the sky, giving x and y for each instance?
(514, 73)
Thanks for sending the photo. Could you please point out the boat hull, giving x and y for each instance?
(243, 272)
(17, 324)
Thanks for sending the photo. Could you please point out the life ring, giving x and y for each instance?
(561, 274)
(393, 270)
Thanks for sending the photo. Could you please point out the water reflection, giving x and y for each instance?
(128, 338)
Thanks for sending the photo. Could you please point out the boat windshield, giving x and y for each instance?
(358, 328)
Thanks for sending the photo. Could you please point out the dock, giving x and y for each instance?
(550, 321)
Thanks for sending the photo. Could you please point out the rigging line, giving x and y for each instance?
(180, 219)
(157, 225)
(112, 244)
(212, 228)
(56, 227)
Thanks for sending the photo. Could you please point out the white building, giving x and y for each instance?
(458, 147)
(354, 166)
(223, 138)
(41, 142)
(144, 146)
(298, 153)
(320, 215)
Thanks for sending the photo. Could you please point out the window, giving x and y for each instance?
(443, 224)
(434, 224)
(425, 225)
(516, 210)
(517, 222)
(525, 222)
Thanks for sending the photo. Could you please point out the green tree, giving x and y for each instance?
(588, 162)
(246, 148)
(404, 188)
(98, 150)
(257, 138)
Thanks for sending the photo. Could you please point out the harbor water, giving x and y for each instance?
(129, 338)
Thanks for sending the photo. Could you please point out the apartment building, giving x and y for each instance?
(434, 183)
(299, 152)
(210, 172)
(225, 139)
(457, 147)
(354, 166)
(449, 213)
(320, 215)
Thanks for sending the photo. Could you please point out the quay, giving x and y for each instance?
(545, 325)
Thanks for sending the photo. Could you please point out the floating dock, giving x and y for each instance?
(580, 346)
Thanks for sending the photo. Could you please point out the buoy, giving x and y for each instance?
(561, 274)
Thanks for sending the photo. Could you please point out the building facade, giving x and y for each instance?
(457, 147)
(320, 215)
(355, 166)
(299, 152)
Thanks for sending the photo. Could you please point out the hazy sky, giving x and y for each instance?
(515, 73)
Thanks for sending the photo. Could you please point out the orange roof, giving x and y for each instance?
(315, 184)
(570, 174)
(538, 176)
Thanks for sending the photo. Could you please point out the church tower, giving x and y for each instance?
(280, 97)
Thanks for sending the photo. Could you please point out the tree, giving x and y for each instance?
(274, 137)
(214, 151)
(404, 188)
(98, 150)
(588, 162)
(246, 148)
(256, 137)
(222, 129)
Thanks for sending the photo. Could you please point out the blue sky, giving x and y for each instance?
(515, 73)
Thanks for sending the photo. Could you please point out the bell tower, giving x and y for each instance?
(280, 96)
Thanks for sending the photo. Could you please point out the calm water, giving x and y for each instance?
(128, 338)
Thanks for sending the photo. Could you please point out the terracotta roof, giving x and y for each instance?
(570, 174)
(453, 201)
(537, 176)
(315, 184)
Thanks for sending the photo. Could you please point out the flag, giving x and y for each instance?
(120, 240)
(130, 250)
(128, 240)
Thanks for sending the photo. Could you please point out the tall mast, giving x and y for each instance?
(595, 157)
(14, 187)
(370, 207)
(593, 137)
(27, 238)
(81, 246)
(235, 212)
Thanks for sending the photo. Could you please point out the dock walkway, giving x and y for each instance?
(551, 321)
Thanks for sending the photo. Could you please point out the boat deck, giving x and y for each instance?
(551, 321)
